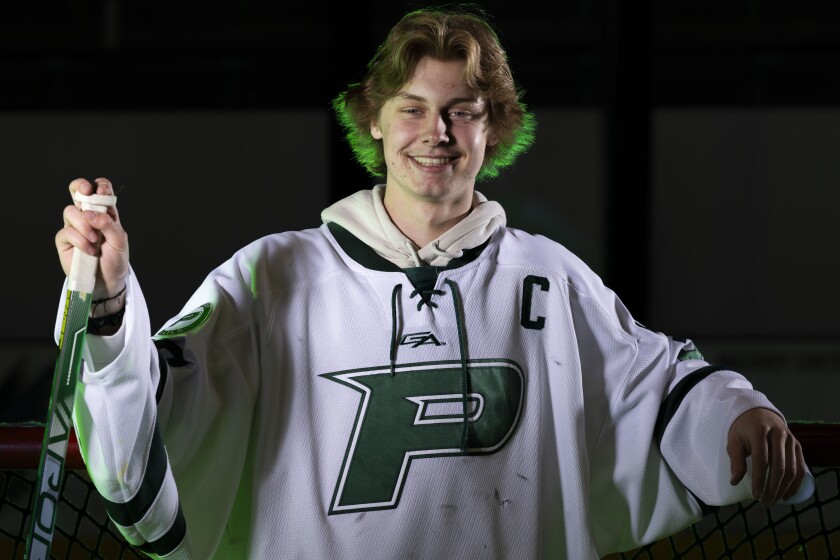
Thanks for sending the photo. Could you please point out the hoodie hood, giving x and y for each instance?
(364, 215)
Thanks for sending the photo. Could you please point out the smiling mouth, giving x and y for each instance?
(433, 161)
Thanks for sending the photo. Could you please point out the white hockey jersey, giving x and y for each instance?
(314, 401)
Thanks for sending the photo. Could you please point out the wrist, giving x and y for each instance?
(106, 325)
(108, 305)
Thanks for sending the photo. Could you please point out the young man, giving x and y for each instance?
(413, 378)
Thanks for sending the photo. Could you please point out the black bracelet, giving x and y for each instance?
(103, 300)
(97, 302)
(95, 324)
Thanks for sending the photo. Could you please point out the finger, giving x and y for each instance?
(109, 229)
(69, 238)
(759, 468)
(790, 466)
(799, 477)
(115, 237)
(99, 186)
(103, 186)
(81, 222)
(80, 185)
(737, 460)
(776, 468)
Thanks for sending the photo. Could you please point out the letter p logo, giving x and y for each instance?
(418, 414)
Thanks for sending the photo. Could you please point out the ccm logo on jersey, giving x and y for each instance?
(419, 339)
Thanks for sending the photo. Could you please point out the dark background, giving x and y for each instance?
(687, 151)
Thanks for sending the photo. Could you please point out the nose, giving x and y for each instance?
(435, 132)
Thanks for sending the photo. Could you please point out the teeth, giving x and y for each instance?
(431, 160)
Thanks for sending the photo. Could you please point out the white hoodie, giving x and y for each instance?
(364, 215)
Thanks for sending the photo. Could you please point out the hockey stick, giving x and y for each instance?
(80, 284)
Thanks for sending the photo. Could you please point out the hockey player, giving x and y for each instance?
(413, 378)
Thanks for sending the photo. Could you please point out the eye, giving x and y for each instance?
(460, 115)
(411, 111)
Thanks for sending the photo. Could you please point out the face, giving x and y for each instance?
(434, 133)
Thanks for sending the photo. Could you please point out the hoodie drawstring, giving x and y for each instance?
(441, 253)
(395, 295)
(462, 342)
(465, 374)
(413, 252)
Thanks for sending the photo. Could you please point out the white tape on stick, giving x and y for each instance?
(95, 202)
(82, 277)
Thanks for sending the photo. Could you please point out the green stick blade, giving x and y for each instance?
(58, 425)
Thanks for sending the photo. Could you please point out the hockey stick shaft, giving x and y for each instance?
(80, 284)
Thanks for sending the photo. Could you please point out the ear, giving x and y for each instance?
(374, 131)
(492, 139)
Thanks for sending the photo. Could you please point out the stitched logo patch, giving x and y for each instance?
(419, 339)
(192, 321)
(419, 414)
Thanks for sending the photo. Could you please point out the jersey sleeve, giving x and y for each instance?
(703, 401)
(657, 418)
(164, 425)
